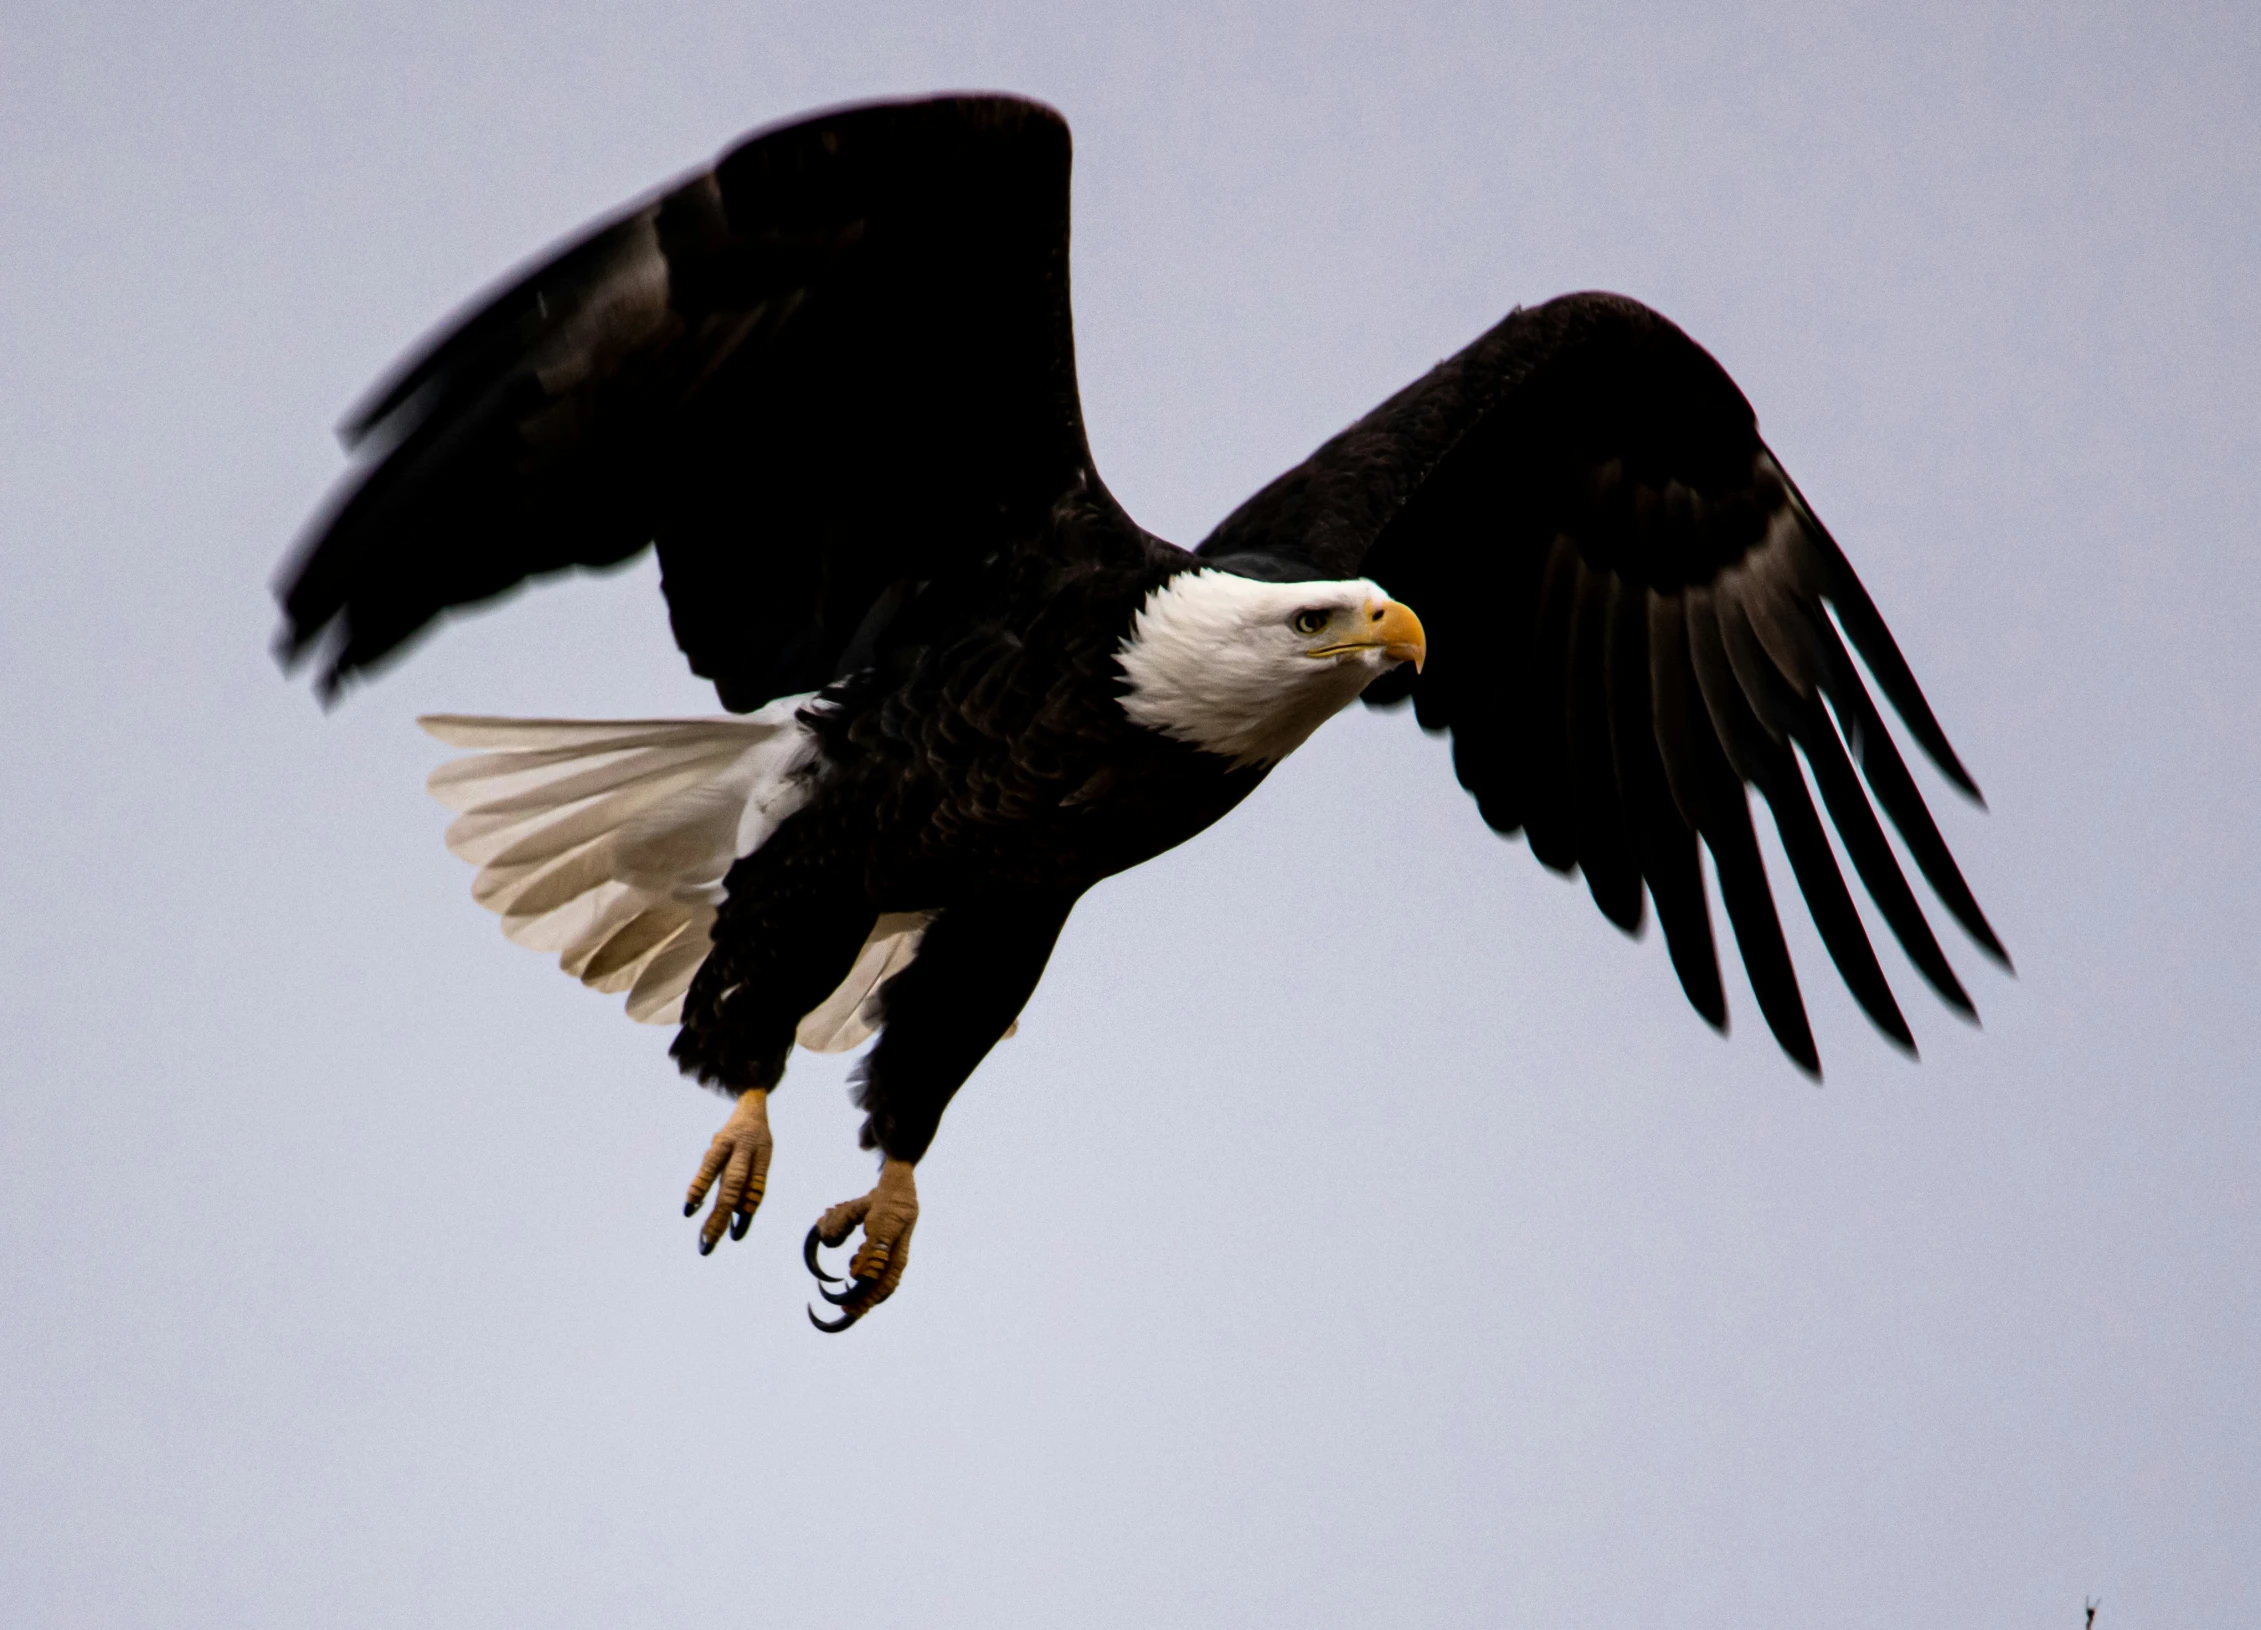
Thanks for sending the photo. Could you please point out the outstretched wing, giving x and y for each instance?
(1628, 606)
(834, 367)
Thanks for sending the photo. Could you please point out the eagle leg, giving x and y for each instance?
(739, 1158)
(887, 1215)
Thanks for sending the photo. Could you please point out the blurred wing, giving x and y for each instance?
(829, 370)
(1628, 607)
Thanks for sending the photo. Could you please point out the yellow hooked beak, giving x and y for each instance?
(1388, 627)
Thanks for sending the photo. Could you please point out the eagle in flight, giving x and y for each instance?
(832, 381)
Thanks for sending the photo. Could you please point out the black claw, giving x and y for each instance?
(841, 1298)
(837, 1325)
(690, 1208)
(740, 1223)
(706, 1246)
(808, 1254)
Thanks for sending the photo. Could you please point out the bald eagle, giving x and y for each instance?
(831, 380)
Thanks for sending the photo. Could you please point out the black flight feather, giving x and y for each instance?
(1589, 441)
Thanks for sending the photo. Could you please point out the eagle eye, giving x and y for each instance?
(1309, 622)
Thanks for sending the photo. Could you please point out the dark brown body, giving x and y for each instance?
(987, 774)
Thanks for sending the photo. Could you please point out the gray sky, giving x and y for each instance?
(1359, 1232)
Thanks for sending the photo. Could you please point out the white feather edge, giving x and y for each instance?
(845, 1018)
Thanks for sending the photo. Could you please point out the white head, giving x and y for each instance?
(1249, 669)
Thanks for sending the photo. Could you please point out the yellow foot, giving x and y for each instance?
(739, 1156)
(888, 1214)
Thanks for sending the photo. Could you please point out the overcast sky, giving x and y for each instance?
(1360, 1231)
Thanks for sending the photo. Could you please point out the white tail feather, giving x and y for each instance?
(663, 977)
(606, 842)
